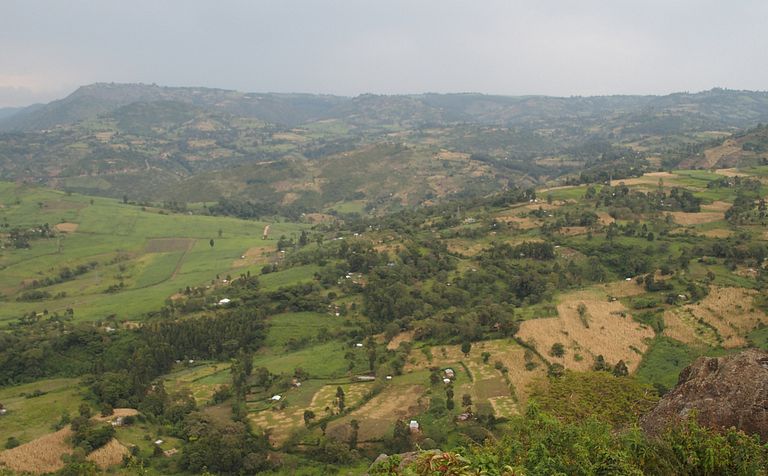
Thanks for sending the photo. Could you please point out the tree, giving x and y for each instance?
(620, 370)
(556, 371)
(600, 363)
(486, 356)
(340, 398)
(323, 426)
(221, 232)
(309, 415)
(466, 400)
(211, 243)
(466, 346)
(355, 425)
(84, 410)
(401, 437)
(557, 350)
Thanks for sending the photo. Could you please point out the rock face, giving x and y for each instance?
(724, 392)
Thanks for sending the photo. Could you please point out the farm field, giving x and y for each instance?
(30, 416)
(140, 257)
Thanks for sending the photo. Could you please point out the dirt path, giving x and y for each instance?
(179, 263)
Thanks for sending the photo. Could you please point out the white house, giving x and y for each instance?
(450, 373)
(276, 398)
(413, 425)
(224, 301)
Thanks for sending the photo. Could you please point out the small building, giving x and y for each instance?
(171, 452)
(158, 442)
(413, 426)
(276, 398)
(119, 421)
(388, 377)
(446, 381)
(365, 378)
(450, 373)
(3, 411)
(358, 344)
(225, 301)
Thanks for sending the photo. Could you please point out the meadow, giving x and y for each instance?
(142, 256)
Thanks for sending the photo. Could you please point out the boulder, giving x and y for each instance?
(722, 392)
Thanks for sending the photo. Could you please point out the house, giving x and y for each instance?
(413, 426)
(171, 452)
(388, 377)
(450, 373)
(358, 344)
(3, 411)
(224, 301)
(276, 398)
(119, 421)
(446, 381)
(158, 442)
(365, 378)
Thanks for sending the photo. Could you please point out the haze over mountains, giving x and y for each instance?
(309, 151)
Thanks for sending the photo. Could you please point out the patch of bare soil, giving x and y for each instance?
(717, 233)
(649, 178)
(39, 456)
(406, 336)
(605, 218)
(609, 330)
(108, 455)
(254, 255)
(573, 230)
(724, 317)
(63, 205)
(732, 172)
(685, 218)
(168, 245)
(66, 227)
(716, 206)
(378, 415)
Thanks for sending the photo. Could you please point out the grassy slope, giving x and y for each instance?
(108, 229)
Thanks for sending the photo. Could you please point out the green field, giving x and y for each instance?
(153, 255)
(29, 418)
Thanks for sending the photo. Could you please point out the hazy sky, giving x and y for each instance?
(348, 47)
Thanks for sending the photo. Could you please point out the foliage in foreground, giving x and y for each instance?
(539, 444)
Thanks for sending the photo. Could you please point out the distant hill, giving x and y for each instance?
(6, 112)
(380, 151)
(716, 108)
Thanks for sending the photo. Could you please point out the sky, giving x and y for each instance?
(347, 47)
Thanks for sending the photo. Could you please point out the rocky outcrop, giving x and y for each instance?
(722, 392)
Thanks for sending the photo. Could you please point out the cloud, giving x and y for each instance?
(557, 47)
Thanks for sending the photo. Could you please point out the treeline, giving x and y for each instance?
(65, 274)
(123, 363)
(257, 209)
(622, 197)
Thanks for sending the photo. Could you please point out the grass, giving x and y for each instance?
(666, 358)
(109, 228)
(30, 418)
(296, 275)
(298, 325)
(759, 338)
(320, 361)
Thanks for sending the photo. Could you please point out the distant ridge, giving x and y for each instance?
(716, 108)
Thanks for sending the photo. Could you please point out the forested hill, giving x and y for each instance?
(716, 108)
